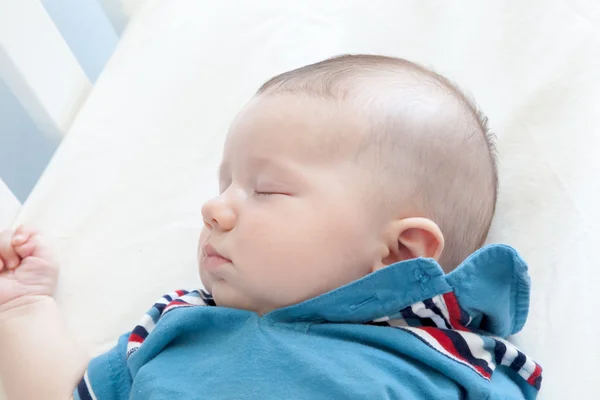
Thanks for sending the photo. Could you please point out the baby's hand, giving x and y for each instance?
(27, 266)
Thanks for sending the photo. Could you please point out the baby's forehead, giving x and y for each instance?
(299, 124)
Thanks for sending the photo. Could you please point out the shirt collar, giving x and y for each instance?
(491, 288)
(376, 295)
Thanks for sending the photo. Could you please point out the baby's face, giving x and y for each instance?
(292, 220)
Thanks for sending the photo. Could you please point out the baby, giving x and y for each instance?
(341, 260)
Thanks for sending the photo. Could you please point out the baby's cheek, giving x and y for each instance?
(259, 231)
(346, 234)
(267, 248)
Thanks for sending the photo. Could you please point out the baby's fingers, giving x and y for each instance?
(35, 246)
(28, 242)
(22, 234)
(8, 256)
(25, 247)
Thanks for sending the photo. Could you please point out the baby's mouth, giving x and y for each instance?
(212, 260)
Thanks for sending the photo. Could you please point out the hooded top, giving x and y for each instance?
(405, 331)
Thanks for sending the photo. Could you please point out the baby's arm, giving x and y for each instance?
(38, 357)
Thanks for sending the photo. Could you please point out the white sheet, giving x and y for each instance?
(122, 196)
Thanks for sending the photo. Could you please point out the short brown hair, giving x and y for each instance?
(462, 200)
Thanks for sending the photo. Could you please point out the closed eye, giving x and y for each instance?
(267, 193)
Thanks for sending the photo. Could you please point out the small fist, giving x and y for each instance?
(27, 266)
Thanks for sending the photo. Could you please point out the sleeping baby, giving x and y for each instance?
(341, 259)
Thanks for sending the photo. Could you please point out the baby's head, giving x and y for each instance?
(338, 169)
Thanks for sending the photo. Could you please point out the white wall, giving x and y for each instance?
(120, 11)
(87, 31)
(51, 51)
(9, 207)
(24, 149)
(38, 66)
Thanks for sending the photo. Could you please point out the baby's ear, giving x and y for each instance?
(413, 238)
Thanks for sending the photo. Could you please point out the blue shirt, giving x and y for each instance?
(407, 331)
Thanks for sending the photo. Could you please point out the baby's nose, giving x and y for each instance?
(218, 214)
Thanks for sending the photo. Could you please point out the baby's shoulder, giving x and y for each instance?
(161, 307)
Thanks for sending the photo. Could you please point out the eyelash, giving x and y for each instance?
(264, 193)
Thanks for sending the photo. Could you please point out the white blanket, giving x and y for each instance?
(121, 199)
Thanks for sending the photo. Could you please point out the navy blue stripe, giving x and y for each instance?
(538, 382)
(207, 297)
(518, 362)
(160, 307)
(377, 323)
(210, 302)
(408, 314)
(463, 349)
(464, 317)
(140, 331)
(431, 306)
(499, 351)
(167, 297)
(83, 392)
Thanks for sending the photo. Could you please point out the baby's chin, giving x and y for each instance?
(205, 279)
(226, 296)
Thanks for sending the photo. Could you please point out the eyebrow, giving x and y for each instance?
(258, 163)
